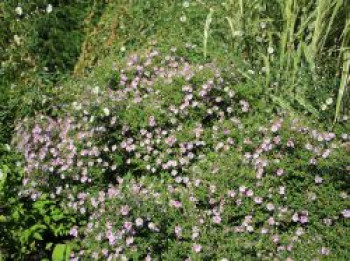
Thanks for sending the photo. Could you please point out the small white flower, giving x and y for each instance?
(186, 4)
(251, 72)
(49, 8)
(325, 251)
(106, 111)
(123, 49)
(263, 25)
(183, 18)
(77, 106)
(139, 222)
(270, 207)
(329, 101)
(17, 39)
(270, 50)
(8, 147)
(197, 248)
(96, 90)
(324, 107)
(19, 10)
(318, 179)
(237, 33)
(152, 226)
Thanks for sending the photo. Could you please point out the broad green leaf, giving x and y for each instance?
(68, 250)
(59, 252)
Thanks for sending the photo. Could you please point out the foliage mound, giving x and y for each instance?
(215, 149)
(170, 160)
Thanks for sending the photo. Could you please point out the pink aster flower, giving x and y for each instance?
(217, 219)
(302, 217)
(279, 172)
(125, 210)
(275, 239)
(275, 127)
(127, 225)
(295, 217)
(258, 200)
(313, 161)
(271, 221)
(270, 207)
(290, 144)
(178, 230)
(176, 203)
(346, 213)
(197, 248)
(231, 193)
(129, 241)
(242, 189)
(324, 251)
(264, 231)
(105, 252)
(73, 232)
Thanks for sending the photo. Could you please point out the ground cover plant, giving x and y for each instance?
(166, 139)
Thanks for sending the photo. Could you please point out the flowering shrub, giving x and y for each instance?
(165, 154)
(166, 163)
(56, 151)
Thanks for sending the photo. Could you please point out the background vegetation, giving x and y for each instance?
(62, 68)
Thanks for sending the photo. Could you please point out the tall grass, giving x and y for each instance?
(290, 36)
(206, 31)
(345, 75)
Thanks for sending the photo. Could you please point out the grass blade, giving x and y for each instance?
(343, 84)
(206, 31)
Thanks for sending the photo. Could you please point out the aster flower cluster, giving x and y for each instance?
(57, 152)
(159, 164)
(119, 219)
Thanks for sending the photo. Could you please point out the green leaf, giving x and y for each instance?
(59, 252)
(15, 215)
(48, 246)
(57, 217)
(47, 219)
(2, 218)
(37, 236)
(68, 253)
(37, 227)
